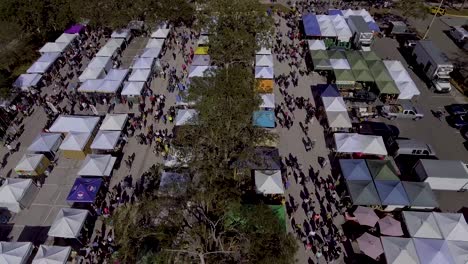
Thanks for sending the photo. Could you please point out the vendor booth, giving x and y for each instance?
(201, 71)
(68, 123)
(201, 60)
(107, 51)
(66, 38)
(265, 86)
(421, 224)
(420, 195)
(268, 100)
(96, 165)
(105, 141)
(27, 81)
(40, 67)
(133, 90)
(264, 60)
(140, 75)
(399, 250)
(363, 193)
(53, 47)
(117, 75)
(186, 117)
(46, 143)
(155, 44)
(263, 118)
(264, 73)
(143, 63)
(161, 33)
(84, 190)
(68, 223)
(355, 170)
(151, 53)
(203, 50)
(356, 143)
(316, 44)
(92, 74)
(101, 63)
(32, 164)
(114, 122)
(52, 255)
(15, 252)
(76, 145)
(269, 182)
(122, 33)
(75, 29)
(17, 194)
(264, 51)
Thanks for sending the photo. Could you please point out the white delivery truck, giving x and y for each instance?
(449, 175)
(434, 64)
(362, 35)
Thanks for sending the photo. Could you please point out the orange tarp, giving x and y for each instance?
(265, 86)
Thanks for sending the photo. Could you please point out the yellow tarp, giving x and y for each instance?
(201, 51)
(265, 86)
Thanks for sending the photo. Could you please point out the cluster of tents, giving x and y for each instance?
(201, 62)
(334, 107)
(264, 117)
(376, 182)
(349, 67)
(20, 253)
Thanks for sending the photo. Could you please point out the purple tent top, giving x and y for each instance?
(84, 190)
(333, 12)
(76, 28)
(311, 25)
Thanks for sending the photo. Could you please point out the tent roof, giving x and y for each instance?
(452, 226)
(264, 60)
(40, 67)
(358, 64)
(115, 42)
(322, 64)
(66, 38)
(269, 181)
(75, 141)
(26, 80)
(201, 60)
(328, 90)
(109, 86)
(155, 43)
(132, 88)
(29, 162)
(151, 53)
(336, 54)
(53, 47)
(340, 64)
(186, 117)
(355, 169)
(386, 87)
(268, 100)
(339, 119)
(97, 165)
(382, 170)
(363, 76)
(459, 250)
(363, 192)
(433, 251)
(44, 142)
(84, 190)
(90, 74)
(51, 255)
(311, 25)
(316, 44)
(117, 75)
(319, 54)
(65, 124)
(264, 51)
(264, 118)
(68, 223)
(407, 90)
(264, 73)
(13, 190)
(107, 51)
(106, 140)
(420, 194)
(391, 193)
(343, 75)
(356, 143)
(15, 252)
(201, 71)
(370, 245)
(370, 56)
(114, 122)
(421, 224)
(121, 33)
(160, 33)
(399, 250)
(91, 86)
(142, 63)
(139, 75)
(444, 168)
(100, 62)
(393, 65)
(334, 104)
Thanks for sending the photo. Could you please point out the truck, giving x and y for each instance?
(402, 110)
(433, 63)
(362, 35)
(450, 175)
(460, 35)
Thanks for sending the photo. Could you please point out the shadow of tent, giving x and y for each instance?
(35, 234)
(5, 230)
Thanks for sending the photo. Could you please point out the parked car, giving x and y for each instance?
(403, 110)
(413, 147)
(458, 121)
(457, 109)
(439, 11)
(441, 85)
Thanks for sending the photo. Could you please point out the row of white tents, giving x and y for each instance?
(402, 79)
(19, 253)
(336, 112)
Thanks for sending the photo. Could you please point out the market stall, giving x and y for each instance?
(15, 252)
(420, 195)
(421, 224)
(263, 118)
(122, 33)
(133, 90)
(264, 73)
(265, 86)
(68, 123)
(201, 60)
(201, 71)
(52, 255)
(32, 164)
(161, 33)
(269, 182)
(140, 75)
(46, 143)
(114, 122)
(97, 165)
(105, 141)
(356, 143)
(17, 194)
(399, 250)
(76, 145)
(68, 223)
(143, 63)
(264, 60)
(84, 190)
(268, 100)
(151, 53)
(27, 81)
(53, 47)
(66, 38)
(355, 170)
(363, 193)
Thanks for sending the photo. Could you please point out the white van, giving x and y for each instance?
(413, 147)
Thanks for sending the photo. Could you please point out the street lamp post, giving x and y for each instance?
(433, 18)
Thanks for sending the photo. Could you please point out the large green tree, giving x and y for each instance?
(412, 9)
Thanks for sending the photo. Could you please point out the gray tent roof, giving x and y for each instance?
(399, 250)
(421, 224)
(391, 192)
(355, 169)
(444, 168)
(363, 193)
(420, 194)
(45, 142)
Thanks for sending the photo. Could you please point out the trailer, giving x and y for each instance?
(434, 64)
(449, 175)
(362, 35)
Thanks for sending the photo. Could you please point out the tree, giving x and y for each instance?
(413, 8)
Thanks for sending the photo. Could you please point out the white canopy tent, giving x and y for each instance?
(68, 223)
(40, 67)
(433, 251)
(53, 47)
(26, 81)
(316, 44)
(186, 117)
(114, 122)
(139, 75)
(343, 32)
(269, 181)
(326, 26)
(399, 250)
(92, 74)
(75, 141)
(161, 33)
(66, 38)
(459, 250)
(109, 86)
(49, 57)
(334, 104)
(52, 255)
(402, 79)
(97, 165)
(107, 51)
(200, 71)
(264, 60)
(122, 34)
(15, 252)
(421, 224)
(407, 90)
(452, 226)
(46, 142)
(151, 53)
(91, 86)
(101, 62)
(31, 164)
(264, 73)
(268, 100)
(16, 193)
(106, 140)
(356, 143)
(340, 64)
(115, 42)
(339, 119)
(143, 63)
(117, 75)
(155, 43)
(133, 88)
(263, 51)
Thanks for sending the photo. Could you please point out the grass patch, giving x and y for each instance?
(456, 12)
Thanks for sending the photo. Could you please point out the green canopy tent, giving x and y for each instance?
(336, 54)
(376, 65)
(363, 76)
(381, 75)
(370, 56)
(387, 87)
(353, 55)
(321, 64)
(382, 170)
(358, 64)
(344, 77)
(319, 54)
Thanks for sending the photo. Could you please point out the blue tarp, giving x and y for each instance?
(311, 25)
(355, 170)
(264, 119)
(333, 12)
(391, 193)
(328, 90)
(84, 190)
(373, 26)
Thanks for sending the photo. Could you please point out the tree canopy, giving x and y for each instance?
(413, 8)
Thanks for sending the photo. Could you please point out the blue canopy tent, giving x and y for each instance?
(333, 12)
(328, 90)
(311, 25)
(264, 119)
(392, 193)
(355, 170)
(84, 190)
